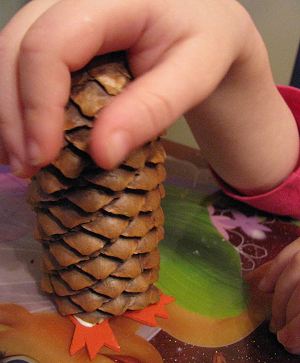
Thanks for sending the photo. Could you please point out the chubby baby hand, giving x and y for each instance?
(283, 279)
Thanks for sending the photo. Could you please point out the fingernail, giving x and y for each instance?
(34, 153)
(16, 167)
(283, 336)
(263, 284)
(118, 146)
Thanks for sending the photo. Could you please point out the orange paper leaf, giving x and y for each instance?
(147, 316)
(93, 338)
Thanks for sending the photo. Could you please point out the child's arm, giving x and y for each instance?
(254, 155)
(245, 129)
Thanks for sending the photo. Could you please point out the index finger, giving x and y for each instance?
(283, 259)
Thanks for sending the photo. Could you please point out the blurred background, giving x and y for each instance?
(8, 8)
(277, 20)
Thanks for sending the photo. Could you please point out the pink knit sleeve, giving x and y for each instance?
(284, 199)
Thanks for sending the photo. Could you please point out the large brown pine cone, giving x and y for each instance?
(99, 229)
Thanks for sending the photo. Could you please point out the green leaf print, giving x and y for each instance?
(199, 268)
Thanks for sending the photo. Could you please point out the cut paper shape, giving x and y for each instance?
(93, 338)
(96, 336)
(147, 316)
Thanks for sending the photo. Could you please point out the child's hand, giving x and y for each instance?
(180, 51)
(283, 279)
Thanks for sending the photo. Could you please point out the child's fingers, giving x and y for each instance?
(268, 283)
(154, 101)
(183, 68)
(64, 39)
(293, 306)
(11, 128)
(10, 113)
(285, 286)
(289, 336)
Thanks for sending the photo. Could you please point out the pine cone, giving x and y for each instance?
(99, 229)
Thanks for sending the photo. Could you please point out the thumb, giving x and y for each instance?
(154, 100)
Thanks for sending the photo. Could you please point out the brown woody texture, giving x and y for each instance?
(99, 229)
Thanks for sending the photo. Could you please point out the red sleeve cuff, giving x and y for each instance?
(284, 199)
